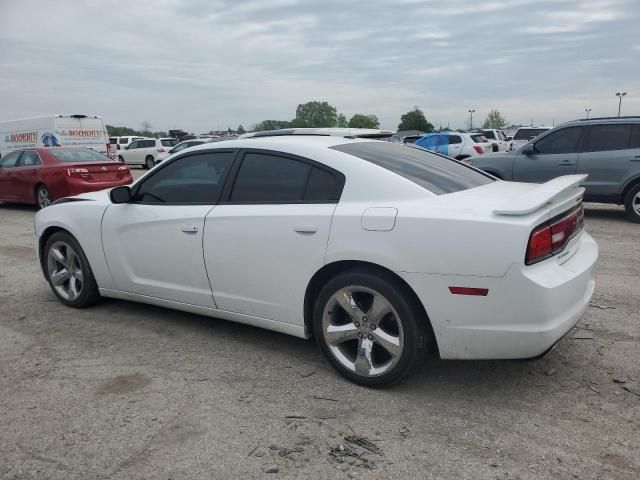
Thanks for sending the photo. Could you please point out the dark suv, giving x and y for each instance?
(608, 149)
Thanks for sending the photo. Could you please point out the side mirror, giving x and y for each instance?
(120, 194)
(528, 149)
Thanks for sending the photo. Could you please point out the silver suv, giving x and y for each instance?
(608, 149)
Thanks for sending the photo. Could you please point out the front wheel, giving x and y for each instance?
(369, 327)
(43, 197)
(68, 271)
(632, 204)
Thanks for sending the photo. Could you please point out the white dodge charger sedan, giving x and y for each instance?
(381, 251)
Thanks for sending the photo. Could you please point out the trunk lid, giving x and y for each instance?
(99, 172)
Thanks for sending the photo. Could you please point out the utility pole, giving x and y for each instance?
(588, 110)
(620, 95)
(471, 112)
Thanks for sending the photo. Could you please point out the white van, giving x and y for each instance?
(86, 131)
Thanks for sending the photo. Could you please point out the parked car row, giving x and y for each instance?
(607, 149)
(456, 145)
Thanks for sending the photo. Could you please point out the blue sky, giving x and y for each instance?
(201, 64)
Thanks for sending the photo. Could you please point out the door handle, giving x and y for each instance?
(306, 228)
(189, 228)
(567, 162)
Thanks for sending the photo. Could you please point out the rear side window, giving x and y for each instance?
(168, 143)
(564, 140)
(265, 178)
(190, 180)
(29, 159)
(634, 142)
(608, 137)
(148, 143)
(428, 142)
(436, 173)
(479, 138)
(528, 133)
(455, 139)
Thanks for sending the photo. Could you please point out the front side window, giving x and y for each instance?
(10, 160)
(29, 159)
(194, 179)
(608, 137)
(133, 145)
(560, 141)
(436, 173)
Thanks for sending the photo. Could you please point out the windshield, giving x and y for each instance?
(436, 173)
(78, 155)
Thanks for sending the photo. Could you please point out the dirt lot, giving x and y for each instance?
(124, 390)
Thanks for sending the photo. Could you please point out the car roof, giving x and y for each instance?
(333, 132)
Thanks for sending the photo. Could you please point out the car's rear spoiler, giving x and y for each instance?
(541, 195)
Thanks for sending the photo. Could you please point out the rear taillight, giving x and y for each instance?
(551, 237)
(71, 172)
(478, 149)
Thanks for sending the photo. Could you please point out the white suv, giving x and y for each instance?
(146, 151)
(497, 139)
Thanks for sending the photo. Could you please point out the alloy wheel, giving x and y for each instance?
(635, 203)
(65, 271)
(363, 331)
(44, 198)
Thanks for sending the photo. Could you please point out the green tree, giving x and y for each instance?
(360, 120)
(341, 121)
(315, 115)
(240, 130)
(271, 125)
(415, 120)
(494, 120)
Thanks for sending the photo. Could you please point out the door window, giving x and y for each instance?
(561, 141)
(429, 142)
(635, 137)
(194, 179)
(29, 159)
(133, 145)
(322, 187)
(455, 139)
(608, 137)
(147, 143)
(10, 160)
(264, 178)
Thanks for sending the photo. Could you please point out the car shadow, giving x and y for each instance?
(605, 212)
(467, 379)
(18, 207)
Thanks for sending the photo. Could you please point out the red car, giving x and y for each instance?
(42, 175)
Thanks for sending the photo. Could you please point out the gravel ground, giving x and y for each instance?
(125, 390)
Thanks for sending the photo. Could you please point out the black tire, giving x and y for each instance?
(416, 336)
(149, 162)
(89, 293)
(632, 203)
(43, 197)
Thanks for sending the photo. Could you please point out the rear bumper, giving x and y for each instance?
(525, 312)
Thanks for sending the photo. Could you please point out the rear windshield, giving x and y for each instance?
(479, 138)
(436, 173)
(489, 134)
(78, 155)
(169, 143)
(528, 133)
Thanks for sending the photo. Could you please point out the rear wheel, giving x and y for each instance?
(369, 327)
(632, 203)
(43, 197)
(68, 271)
(149, 162)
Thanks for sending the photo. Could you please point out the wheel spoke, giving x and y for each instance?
(59, 277)
(390, 343)
(72, 258)
(364, 361)
(79, 276)
(58, 256)
(337, 334)
(73, 288)
(379, 308)
(348, 304)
